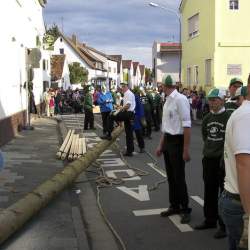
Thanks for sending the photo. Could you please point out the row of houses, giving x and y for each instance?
(27, 61)
(102, 68)
(215, 44)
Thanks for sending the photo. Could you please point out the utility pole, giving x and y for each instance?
(62, 23)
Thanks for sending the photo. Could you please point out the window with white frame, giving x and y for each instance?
(189, 75)
(193, 26)
(208, 71)
(233, 4)
(196, 74)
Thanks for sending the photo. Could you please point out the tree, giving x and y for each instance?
(51, 35)
(53, 31)
(77, 73)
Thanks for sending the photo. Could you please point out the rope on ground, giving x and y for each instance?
(117, 236)
(155, 163)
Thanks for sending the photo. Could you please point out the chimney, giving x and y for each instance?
(74, 40)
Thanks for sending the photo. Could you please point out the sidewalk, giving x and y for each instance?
(30, 159)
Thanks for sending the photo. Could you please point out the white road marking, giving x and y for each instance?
(107, 153)
(148, 212)
(90, 134)
(98, 125)
(129, 172)
(174, 218)
(157, 169)
(111, 162)
(93, 139)
(141, 194)
(198, 200)
(182, 227)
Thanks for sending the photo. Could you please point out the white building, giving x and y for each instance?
(127, 69)
(136, 75)
(118, 59)
(59, 72)
(110, 64)
(142, 74)
(166, 61)
(22, 28)
(77, 52)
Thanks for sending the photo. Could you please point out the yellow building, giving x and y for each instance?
(215, 42)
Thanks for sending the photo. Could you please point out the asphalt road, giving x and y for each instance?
(133, 210)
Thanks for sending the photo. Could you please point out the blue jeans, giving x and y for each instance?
(231, 212)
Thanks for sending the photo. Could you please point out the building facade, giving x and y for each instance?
(127, 69)
(166, 61)
(60, 72)
(118, 59)
(110, 64)
(77, 52)
(136, 75)
(23, 33)
(215, 42)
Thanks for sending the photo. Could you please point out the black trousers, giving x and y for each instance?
(139, 138)
(148, 117)
(156, 118)
(89, 119)
(127, 117)
(105, 116)
(175, 168)
(213, 178)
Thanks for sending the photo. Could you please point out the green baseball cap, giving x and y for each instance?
(216, 93)
(235, 80)
(242, 91)
(169, 81)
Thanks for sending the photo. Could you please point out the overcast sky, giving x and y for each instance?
(127, 27)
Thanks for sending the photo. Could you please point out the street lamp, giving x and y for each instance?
(156, 5)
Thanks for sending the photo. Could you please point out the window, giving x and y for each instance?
(114, 70)
(233, 4)
(109, 69)
(208, 71)
(189, 75)
(193, 26)
(61, 51)
(196, 74)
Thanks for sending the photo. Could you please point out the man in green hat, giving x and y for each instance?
(240, 95)
(88, 109)
(213, 134)
(234, 84)
(174, 145)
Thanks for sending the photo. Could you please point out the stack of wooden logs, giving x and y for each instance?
(73, 147)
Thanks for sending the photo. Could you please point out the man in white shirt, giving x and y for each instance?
(126, 114)
(235, 200)
(174, 144)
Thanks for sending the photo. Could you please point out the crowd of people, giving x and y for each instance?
(226, 150)
(59, 101)
(225, 118)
